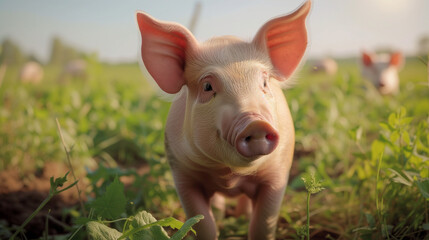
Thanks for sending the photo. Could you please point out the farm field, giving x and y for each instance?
(370, 152)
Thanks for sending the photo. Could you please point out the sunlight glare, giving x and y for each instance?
(391, 6)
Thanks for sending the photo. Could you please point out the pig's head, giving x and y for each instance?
(232, 86)
(382, 70)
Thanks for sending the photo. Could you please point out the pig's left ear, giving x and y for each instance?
(285, 40)
(163, 51)
(396, 59)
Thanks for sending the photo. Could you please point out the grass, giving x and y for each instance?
(113, 118)
(339, 123)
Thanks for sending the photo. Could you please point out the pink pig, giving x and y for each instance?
(382, 70)
(229, 132)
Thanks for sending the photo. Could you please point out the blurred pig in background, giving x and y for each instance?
(326, 65)
(76, 68)
(31, 72)
(382, 70)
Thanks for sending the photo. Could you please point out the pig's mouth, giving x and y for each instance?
(252, 135)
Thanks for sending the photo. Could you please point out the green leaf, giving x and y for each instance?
(170, 222)
(424, 173)
(58, 182)
(386, 141)
(424, 188)
(386, 127)
(406, 137)
(187, 226)
(392, 120)
(406, 120)
(394, 136)
(398, 178)
(377, 148)
(98, 231)
(356, 133)
(112, 204)
(402, 112)
(145, 226)
(81, 220)
(370, 219)
(142, 218)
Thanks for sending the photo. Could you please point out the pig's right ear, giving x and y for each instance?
(366, 59)
(285, 40)
(163, 51)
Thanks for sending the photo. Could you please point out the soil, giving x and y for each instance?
(21, 195)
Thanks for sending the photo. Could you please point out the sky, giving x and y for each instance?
(337, 28)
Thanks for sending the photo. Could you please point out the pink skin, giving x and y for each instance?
(253, 137)
(229, 132)
(326, 65)
(31, 72)
(382, 71)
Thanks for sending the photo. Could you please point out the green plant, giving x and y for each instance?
(53, 191)
(399, 162)
(313, 186)
(110, 206)
(143, 226)
(112, 123)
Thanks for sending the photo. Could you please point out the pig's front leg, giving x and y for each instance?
(195, 202)
(265, 213)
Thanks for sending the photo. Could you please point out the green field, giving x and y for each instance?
(370, 151)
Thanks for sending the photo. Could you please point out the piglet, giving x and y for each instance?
(382, 70)
(31, 72)
(326, 65)
(76, 68)
(229, 132)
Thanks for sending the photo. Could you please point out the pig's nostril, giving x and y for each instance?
(248, 138)
(271, 137)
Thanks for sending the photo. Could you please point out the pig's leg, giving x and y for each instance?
(265, 213)
(195, 202)
(218, 206)
(244, 206)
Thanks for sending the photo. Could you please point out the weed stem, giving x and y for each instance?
(21, 228)
(70, 166)
(308, 215)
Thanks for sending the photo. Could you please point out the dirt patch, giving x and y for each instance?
(15, 207)
(21, 195)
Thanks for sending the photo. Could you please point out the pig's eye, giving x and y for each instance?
(265, 77)
(207, 91)
(207, 87)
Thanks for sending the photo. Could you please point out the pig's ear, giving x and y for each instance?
(396, 59)
(366, 59)
(163, 51)
(285, 40)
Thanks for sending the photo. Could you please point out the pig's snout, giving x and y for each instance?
(258, 138)
(253, 136)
